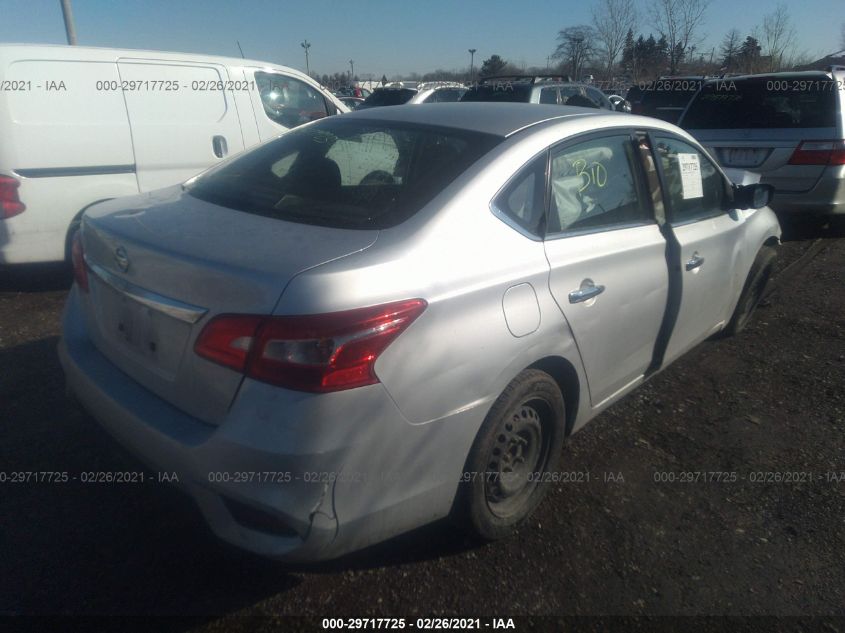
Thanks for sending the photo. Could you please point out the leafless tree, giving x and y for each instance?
(730, 49)
(612, 20)
(577, 46)
(678, 21)
(778, 36)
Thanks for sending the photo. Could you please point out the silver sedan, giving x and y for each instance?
(394, 316)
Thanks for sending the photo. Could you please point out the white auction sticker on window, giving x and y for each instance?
(690, 176)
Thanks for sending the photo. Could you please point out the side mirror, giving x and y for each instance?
(623, 106)
(754, 196)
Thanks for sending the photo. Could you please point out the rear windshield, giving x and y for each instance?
(388, 97)
(773, 102)
(357, 174)
(499, 91)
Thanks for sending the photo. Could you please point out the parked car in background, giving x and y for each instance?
(80, 125)
(664, 98)
(620, 104)
(552, 90)
(425, 92)
(353, 103)
(787, 127)
(323, 340)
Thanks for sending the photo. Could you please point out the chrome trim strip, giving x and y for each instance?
(171, 307)
(57, 172)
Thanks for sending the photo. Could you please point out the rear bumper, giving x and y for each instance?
(335, 472)
(827, 197)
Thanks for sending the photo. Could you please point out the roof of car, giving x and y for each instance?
(807, 74)
(499, 119)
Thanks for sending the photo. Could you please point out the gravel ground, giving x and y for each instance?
(624, 543)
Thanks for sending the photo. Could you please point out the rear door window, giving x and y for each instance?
(446, 95)
(791, 102)
(548, 95)
(595, 187)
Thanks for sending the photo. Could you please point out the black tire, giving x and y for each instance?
(520, 440)
(753, 290)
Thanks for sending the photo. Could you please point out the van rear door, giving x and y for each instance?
(756, 124)
(182, 115)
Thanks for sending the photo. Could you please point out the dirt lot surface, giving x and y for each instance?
(652, 532)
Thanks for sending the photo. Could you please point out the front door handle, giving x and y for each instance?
(695, 261)
(218, 144)
(587, 291)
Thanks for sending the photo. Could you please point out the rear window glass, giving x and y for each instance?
(389, 97)
(499, 91)
(669, 93)
(347, 174)
(763, 103)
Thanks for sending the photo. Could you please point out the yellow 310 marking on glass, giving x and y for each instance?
(595, 174)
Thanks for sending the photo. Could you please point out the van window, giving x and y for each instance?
(354, 173)
(766, 102)
(289, 101)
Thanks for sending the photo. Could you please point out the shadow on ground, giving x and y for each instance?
(134, 548)
(35, 277)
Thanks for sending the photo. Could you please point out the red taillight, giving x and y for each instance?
(227, 339)
(819, 153)
(10, 202)
(80, 268)
(319, 353)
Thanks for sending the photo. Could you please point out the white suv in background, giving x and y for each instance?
(81, 125)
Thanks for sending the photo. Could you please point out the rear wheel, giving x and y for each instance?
(516, 449)
(752, 292)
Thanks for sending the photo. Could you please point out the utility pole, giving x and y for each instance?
(351, 71)
(70, 28)
(306, 45)
(471, 61)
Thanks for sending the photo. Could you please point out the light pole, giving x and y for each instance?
(70, 28)
(471, 60)
(351, 71)
(306, 45)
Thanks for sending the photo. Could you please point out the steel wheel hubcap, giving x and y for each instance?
(516, 460)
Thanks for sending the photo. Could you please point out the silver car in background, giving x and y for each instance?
(395, 316)
(787, 127)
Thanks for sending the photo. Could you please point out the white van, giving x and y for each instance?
(79, 125)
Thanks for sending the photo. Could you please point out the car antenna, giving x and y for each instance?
(240, 49)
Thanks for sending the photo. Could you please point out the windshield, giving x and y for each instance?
(388, 97)
(499, 91)
(356, 174)
(767, 102)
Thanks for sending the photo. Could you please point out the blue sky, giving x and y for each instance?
(382, 37)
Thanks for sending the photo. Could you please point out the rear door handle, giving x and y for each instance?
(218, 144)
(587, 291)
(695, 261)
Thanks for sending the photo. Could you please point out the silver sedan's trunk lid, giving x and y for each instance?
(163, 264)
